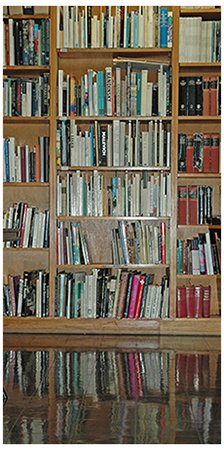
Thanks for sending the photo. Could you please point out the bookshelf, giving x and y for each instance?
(44, 195)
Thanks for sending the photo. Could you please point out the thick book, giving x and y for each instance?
(206, 301)
(140, 295)
(215, 150)
(190, 301)
(134, 296)
(181, 309)
(192, 205)
(182, 205)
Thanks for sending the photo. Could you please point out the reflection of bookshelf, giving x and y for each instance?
(77, 61)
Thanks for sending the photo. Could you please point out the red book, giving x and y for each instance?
(206, 97)
(7, 43)
(182, 205)
(207, 153)
(214, 153)
(190, 153)
(190, 301)
(138, 374)
(198, 301)
(192, 205)
(132, 375)
(23, 225)
(213, 96)
(122, 294)
(181, 302)
(134, 296)
(139, 298)
(163, 241)
(206, 301)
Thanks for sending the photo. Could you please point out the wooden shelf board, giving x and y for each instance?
(197, 277)
(199, 118)
(200, 11)
(186, 65)
(132, 218)
(34, 184)
(67, 52)
(21, 119)
(204, 225)
(26, 16)
(112, 168)
(198, 175)
(19, 249)
(110, 118)
(25, 68)
(57, 325)
(111, 266)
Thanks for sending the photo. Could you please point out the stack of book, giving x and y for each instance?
(26, 42)
(199, 40)
(26, 96)
(27, 295)
(71, 247)
(193, 301)
(200, 255)
(128, 295)
(24, 163)
(120, 143)
(111, 92)
(133, 194)
(199, 152)
(194, 205)
(139, 243)
(114, 27)
(32, 223)
(200, 96)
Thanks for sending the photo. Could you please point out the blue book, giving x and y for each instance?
(114, 195)
(163, 27)
(138, 93)
(127, 30)
(6, 154)
(100, 85)
(136, 27)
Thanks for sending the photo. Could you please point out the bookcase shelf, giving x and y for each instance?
(77, 61)
(27, 16)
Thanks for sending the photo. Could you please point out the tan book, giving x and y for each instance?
(14, 10)
(41, 10)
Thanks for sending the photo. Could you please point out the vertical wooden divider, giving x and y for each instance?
(174, 159)
(53, 112)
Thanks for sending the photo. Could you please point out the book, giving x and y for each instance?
(193, 301)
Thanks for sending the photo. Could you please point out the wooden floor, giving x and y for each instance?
(111, 390)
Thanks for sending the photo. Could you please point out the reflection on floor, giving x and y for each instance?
(111, 390)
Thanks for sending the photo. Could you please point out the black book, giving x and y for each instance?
(16, 42)
(200, 205)
(128, 296)
(46, 229)
(20, 43)
(122, 26)
(144, 295)
(199, 96)
(28, 10)
(155, 99)
(191, 96)
(103, 294)
(99, 292)
(198, 144)
(182, 145)
(102, 145)
(89, 16)
(183, 96)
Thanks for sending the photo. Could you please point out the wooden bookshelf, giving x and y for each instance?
(77, 61)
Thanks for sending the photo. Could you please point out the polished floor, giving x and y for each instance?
(111, 390)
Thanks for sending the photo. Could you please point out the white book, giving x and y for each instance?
(35, 230)
(27, 163)
(65, 26)
(28, 99)
(168, 152)
(73, 143)
(12, 159)
(76, 27)
(144, 74)
(118, 90)
(11, 44)
(132, 29)
(148, 302)
(60, 92)
(130, 145)
(151, 27)
(122, 143)
(114, 313)
(195, 262)
(161, 143)
(115, 32)
(108, 82)
(95, 98)
(160, 91)
(43, 223)
(20, 298)
(27, 227)
(209, 263)
(141, 31)
(155, 143)
(71, 28)
(116, 142)
(39, 296)
(145, 145)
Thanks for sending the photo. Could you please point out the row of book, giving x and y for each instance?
(25, 10)
(26, 42)
(120, 143)
(24, 163)
(124, 90)
(131, 243)
(193, 301)
(114, 27)
(199, 152)
(134, 194)
(32, 223)
(192, 371)
(140, 243)
(200, 96)
(26, 295)
(128, 295)
(199, 40)
(200, 255)
(194, 205)
(26, 96)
